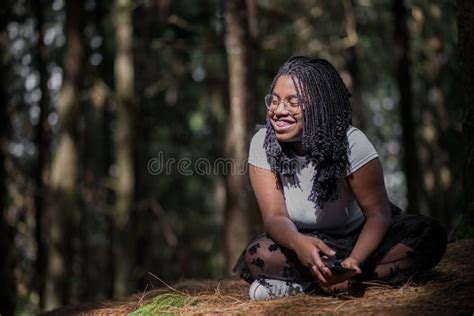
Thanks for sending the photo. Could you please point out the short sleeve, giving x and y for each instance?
(361, 149)
(257, 154)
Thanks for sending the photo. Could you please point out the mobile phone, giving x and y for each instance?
(335, 265)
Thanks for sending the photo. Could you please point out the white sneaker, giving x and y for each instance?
(265, 289)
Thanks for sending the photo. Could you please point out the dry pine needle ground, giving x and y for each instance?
(448, 289)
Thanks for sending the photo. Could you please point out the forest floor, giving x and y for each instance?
(447, 290)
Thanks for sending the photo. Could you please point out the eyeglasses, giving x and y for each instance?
(272, 102)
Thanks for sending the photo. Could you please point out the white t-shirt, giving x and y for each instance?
(339, 217)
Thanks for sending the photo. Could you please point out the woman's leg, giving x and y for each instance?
(396, 260)
(395, 263)
(273, 271)
(267, 260)
(414, 243)
(422, 247)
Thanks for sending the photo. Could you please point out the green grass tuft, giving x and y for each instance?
(164, 304)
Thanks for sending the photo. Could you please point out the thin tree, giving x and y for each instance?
(61, 204)
(8, 289)
(123, 137)
(404, 81)
(96, 148)
(152, 14)
(358, 112)
(236, 232)
(42, 145)
(253, 58)
(465, 21)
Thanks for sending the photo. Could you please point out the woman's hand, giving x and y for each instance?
(341, 276)
(308, 249)
(352, 263)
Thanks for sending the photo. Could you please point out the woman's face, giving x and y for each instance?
(288, 126)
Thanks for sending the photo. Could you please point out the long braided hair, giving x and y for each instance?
(326, 118)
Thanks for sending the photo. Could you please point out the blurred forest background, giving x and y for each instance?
(93, 92)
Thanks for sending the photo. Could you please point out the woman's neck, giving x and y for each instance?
(298, 148)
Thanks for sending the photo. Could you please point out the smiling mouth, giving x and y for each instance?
(284, 125)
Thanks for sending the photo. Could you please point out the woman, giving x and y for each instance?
(320, 188)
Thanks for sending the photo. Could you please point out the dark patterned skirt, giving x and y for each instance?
(423, 234)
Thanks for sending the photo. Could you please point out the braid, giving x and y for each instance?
(326, 118)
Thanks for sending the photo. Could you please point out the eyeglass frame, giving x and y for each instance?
(286, 103)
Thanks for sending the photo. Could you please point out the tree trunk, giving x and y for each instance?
(7, 280)
(236, 231)
(465, 21)
(403, 76)
(358, 110)
(253, 57)
(96, 160)
(42, 146)
(152, 14)
(62, 207)
(124, 87)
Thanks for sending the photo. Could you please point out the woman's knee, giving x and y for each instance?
(267, 259)
(429, 243)
(262, 252)
(438, 238)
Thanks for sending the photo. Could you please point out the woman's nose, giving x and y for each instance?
(281, 109)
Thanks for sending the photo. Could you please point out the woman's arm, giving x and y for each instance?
(368, 187)
(280, 227)
(272, 207)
